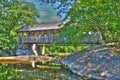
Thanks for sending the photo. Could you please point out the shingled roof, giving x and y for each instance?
(41, 26)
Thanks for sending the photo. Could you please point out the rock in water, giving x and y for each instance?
(98, 63)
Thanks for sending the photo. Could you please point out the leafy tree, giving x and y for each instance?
(102, 16)
(14, 14)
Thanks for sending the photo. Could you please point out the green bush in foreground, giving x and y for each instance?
(8, 72)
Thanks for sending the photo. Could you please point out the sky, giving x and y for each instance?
(52, 10)
(47, 12)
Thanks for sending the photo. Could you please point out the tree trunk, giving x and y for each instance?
(102, 37)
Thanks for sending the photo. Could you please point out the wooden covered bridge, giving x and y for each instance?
(40, 33)
(44, 33)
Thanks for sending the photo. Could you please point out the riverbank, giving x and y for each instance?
(98, 62)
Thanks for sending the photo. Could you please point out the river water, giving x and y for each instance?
(40, 72)
(26, 73)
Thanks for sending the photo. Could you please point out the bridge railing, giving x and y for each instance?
(41, 39)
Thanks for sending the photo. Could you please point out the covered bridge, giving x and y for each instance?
(40, 33)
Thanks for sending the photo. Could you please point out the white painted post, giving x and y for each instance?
(33, 64)
(43, 49)
(34, 49)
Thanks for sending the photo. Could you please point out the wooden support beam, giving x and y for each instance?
(28, 59)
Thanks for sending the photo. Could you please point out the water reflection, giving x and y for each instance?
(47, 74)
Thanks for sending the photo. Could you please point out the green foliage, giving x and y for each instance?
(8, 72)
(14, 14)
(63, 49)
(101, 16)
